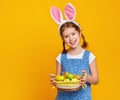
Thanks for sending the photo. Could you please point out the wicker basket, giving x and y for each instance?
(68, 86)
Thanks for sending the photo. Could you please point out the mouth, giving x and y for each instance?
(73, 42)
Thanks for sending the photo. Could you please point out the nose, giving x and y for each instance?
(70, 37)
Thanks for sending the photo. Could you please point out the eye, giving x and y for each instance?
(73, 33)
(66, 36)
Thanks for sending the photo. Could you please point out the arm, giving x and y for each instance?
(93, 77)
(58, 68)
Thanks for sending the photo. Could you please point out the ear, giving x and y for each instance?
(56, 14)
(70, 12)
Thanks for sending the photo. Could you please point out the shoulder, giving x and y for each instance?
(89, 52)
(91, 56)
(60, 55)
(86, 53)
(58, 58)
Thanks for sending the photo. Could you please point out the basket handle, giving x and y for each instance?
(83, 74)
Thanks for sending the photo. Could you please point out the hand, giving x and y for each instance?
(52, 79)
(84, 78)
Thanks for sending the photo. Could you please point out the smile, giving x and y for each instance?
(73, 42)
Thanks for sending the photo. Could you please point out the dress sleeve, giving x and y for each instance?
(91, 57)
(58, 58)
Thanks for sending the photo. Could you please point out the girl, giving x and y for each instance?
(76, 59)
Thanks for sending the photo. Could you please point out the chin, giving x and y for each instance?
(73, 47)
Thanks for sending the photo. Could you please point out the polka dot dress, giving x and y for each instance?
(75, 66)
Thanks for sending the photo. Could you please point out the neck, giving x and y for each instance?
(75, 51)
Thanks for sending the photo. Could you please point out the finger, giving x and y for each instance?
(52, 75)
(52, 79)
(82, 84)
(83, 80)
(84, 72)
(53, 83)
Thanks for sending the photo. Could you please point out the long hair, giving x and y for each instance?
(67, 25)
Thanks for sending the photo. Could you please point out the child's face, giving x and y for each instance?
(71, 37)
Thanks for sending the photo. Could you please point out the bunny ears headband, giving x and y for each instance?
(70, 13)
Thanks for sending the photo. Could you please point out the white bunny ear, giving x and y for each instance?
(70, 12)
(56, 15)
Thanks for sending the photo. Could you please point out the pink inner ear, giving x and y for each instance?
(56, 14)
(69, 12)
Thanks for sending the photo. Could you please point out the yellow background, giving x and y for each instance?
(29, 43)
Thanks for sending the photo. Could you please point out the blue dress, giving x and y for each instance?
(75, 66)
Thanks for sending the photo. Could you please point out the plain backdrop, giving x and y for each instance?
(30, 42)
